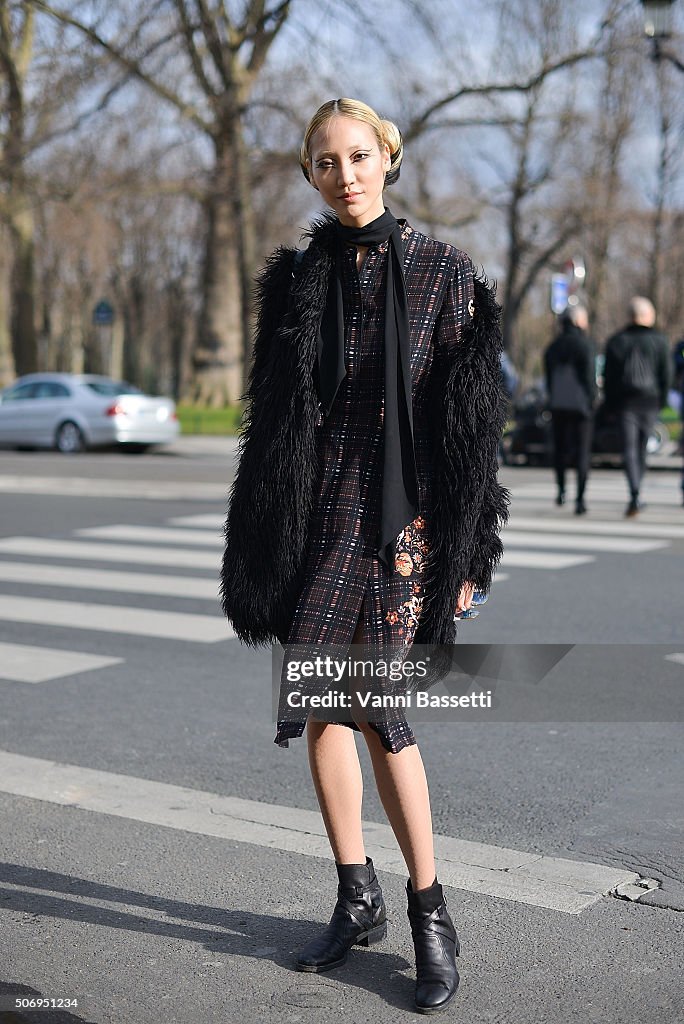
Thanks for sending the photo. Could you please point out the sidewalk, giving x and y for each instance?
(189, 445)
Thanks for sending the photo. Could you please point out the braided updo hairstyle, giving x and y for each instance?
(385, 132)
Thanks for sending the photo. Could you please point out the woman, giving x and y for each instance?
(366, 505)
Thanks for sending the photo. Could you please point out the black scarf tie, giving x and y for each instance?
(399, 481)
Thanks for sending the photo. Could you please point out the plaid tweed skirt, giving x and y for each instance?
(345, 584)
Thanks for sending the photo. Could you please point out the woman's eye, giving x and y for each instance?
(324, 165)
(360, 156)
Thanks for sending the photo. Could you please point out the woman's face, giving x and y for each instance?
(348, 168)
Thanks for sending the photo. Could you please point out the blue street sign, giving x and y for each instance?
(559, 293)
(103, 314)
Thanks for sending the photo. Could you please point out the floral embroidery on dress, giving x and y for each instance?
(411, 550)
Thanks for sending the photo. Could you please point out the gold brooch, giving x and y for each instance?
(471, 307)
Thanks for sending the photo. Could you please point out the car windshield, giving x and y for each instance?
(111, 387)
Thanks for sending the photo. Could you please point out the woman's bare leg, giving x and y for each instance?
(402, 787)
(336, 774)
(403, 790)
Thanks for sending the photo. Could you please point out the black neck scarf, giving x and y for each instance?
(399, 482)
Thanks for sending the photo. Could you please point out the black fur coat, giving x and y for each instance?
(272, 496)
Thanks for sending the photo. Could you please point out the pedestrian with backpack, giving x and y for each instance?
(637, 379)
(570, 367)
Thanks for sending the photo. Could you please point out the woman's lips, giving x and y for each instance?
(350, 197)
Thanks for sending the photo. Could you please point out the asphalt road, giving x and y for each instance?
(149, 923)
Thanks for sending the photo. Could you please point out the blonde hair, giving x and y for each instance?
(386, 132)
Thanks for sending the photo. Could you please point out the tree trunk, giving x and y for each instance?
(218, 361)
(177, 327)
(6, 355)
(244, 219)
(24, 339)
(656, 267)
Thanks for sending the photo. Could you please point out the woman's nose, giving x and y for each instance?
(346, 174)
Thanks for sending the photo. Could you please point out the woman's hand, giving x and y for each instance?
(465, 597)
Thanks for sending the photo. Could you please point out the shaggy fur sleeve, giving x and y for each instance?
(488, 410)
(484, 409)
(469, 505)
(250, 569)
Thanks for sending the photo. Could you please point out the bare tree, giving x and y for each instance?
(16, 49)
(606, 191)
(224, 55)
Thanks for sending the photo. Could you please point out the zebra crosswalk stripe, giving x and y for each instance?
(25, 663)
(204, 629)
(596, 526)
(153, 535)
(109, 579)
(44, 547)
(625, 545)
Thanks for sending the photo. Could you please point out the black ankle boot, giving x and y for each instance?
(436, 944)
(358, 917)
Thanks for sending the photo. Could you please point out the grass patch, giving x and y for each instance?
(196, 419)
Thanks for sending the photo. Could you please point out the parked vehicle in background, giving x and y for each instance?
(72, 412)
(529, 441)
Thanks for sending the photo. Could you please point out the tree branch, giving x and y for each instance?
(543, 258)
(263, 37)
(213, 41)
(420, 122)
(193, 53)
(132, 66)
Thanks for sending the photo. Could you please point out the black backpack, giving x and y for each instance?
(638, 376)
(567, 393)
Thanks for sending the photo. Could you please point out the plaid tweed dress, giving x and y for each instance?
(345, 584)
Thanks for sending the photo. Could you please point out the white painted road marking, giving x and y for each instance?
(551, 882)
(43, 547)
(600, 490)
(109, 579)
(594, 526)
(677, 658)
(204, 521)
(201, 629)
(543, 560)
(153, 535)
(26, 664)
(627, 545)
(94, 487)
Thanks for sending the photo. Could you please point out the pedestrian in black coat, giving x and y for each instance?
(637, 380)
(570, 367)
(366, 505)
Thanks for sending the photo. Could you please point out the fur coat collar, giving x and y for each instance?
(272, 497)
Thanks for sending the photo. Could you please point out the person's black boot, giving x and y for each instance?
(634, 508)
(359, 917)
(436, 945)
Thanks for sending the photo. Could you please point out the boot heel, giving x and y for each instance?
(374, 935)
(457, 950)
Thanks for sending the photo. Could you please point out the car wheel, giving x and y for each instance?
(69, 438)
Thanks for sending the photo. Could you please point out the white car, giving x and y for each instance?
(72, 412)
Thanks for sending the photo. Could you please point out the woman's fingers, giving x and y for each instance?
(465, 597)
